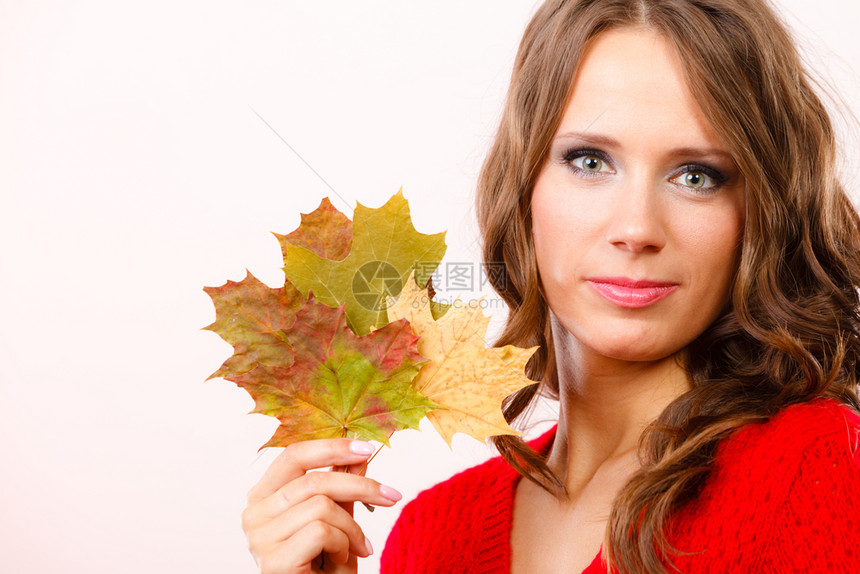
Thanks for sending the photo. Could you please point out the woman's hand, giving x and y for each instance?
(293, 515)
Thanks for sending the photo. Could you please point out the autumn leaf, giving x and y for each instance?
(385, 249)
(325, 232)
(339, 384)
(251, 316)
(462, 375)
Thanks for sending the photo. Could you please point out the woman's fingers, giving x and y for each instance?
(296, 554)
(294, 516)
(300, 457)
(318, 508)
(338, 486)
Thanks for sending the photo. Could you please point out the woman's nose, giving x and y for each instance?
(636, 223)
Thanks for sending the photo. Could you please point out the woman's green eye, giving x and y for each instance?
(694, 179)
(591, 163)
(699, 179)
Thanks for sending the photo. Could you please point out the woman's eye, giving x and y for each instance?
(696, 179)
(590, 163)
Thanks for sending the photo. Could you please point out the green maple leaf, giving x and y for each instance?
(385, 249)
(339, 384)
(251, 316)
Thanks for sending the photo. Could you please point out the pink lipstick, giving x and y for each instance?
(632, 294)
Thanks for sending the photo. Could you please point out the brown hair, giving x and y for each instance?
(791, 332)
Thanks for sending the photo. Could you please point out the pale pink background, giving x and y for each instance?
(134, 171)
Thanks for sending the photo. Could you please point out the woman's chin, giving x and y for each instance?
(631, 350)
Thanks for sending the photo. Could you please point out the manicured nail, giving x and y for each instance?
(367, 546)
(389, 493)
(361, 447)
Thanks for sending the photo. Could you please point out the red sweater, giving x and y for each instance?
(784, 496)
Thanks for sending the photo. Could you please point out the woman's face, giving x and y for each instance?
(638, 211)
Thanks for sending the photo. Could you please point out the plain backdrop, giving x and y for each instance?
(147, 150)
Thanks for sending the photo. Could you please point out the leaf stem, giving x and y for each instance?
(363, 469)
(367, 462)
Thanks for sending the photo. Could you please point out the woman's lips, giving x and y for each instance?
(632, 294)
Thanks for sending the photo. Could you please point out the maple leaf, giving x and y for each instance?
(385, 249)
(339, 384)
(325, 231)
(462, 375)
(251, 316)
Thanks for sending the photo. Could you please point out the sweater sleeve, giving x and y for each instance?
(396, 551)
(459, 525)
(819, 528)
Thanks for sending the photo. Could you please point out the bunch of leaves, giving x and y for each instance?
(327, 357)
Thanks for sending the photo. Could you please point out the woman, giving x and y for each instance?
(662, 192)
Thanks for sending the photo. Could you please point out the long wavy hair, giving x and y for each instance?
(790, 333)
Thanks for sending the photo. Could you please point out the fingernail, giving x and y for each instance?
(368, 547)
(361, 447)
(389, 493)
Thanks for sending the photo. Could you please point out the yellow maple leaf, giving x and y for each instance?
(463, 375)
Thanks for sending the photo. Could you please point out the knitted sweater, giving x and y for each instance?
(784, 496)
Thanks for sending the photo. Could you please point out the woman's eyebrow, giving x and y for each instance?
(702, 152)
(589, 138)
